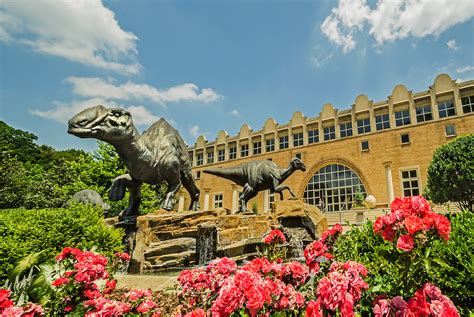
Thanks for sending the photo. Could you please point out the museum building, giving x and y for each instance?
(378, 148)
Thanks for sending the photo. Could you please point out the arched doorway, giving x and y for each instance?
(333, 188)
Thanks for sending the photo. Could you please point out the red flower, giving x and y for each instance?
(405, 243)
(275, 236)
(13, 311)
(66, 251)
(5, 301)
(229, 299)
(68, 308)
(196, 313)
(32, 310)
(443, 225)
(110, 286)
(313, 309)
(413, 224)
(60, 281)
(388, 233)
(122, 256)
(379, 224)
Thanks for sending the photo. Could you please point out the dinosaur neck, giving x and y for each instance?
(129, 147)
(287, 172)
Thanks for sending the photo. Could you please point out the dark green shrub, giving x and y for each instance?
(23, 232)
(451, 173)
(448, 265)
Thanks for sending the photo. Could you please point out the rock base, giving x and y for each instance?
(165, 240)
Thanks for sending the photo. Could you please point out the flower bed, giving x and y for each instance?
(83, 281)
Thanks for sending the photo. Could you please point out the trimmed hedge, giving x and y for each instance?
(23, 232)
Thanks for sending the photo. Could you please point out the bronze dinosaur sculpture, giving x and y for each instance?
(256, 176)
(158, 154)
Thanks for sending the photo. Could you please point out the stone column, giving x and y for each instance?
(388, 176)
(181, 203)
(235, 199)
(206, 198)
(266, 199)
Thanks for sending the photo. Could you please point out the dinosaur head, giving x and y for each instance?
(298, 164)
(99, 122)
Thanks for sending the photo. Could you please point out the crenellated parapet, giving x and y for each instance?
(403, 107)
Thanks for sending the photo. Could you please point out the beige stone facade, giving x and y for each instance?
(385, 146)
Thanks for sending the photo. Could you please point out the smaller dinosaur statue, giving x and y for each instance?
(256, 176)
(157, 155)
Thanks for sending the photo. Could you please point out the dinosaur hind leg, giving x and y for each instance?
(279, 189)
(168, 201)
(188, 183)
(247, 194)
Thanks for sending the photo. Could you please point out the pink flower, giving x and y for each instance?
(275, 236)
(32, 310)
(146, 306)
(13, 311)
(443, 225)
(405, 243)
(228, 300)
(110, 286)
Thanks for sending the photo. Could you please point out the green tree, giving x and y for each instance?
(451, 173)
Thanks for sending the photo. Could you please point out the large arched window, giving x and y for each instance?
(333, 188)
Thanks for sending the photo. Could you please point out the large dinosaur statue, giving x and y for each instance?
(159, 154)
(256, 176)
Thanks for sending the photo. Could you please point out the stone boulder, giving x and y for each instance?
(173, 239)
(295, 213)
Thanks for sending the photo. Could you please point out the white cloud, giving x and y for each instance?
(98, 87)
(235, 113)
(319, 57)
(62, 112)
(393, 19)
(82, 31)
(452, 45)
(467, 68)
(195, 131)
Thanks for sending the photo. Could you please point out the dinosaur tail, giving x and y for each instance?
(233, 174)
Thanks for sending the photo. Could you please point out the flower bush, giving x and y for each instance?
(325, 285)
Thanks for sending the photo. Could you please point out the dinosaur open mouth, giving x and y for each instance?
(83, 132)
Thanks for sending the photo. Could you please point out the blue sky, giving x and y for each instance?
(212, 65)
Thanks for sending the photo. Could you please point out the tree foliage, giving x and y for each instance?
(37, 176)
(451, 173)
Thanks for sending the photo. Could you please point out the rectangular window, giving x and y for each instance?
(232, 153)
(446, 109)
(198, 174)
(382, 121)
(270, 145)
(346, 129)
(405, 138)
(271, 201)
(467, 104)
(402, 117)
(283, 142)
(450, 130)
(410, 183)
(221, 155)
(298, 139)
(363, 125)
(210, 157)
(364, 145)
(423, 113)
(218, 200)
(313, 136)
(257, 147)
(329, 133)
(199, 159)
(244, 150)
